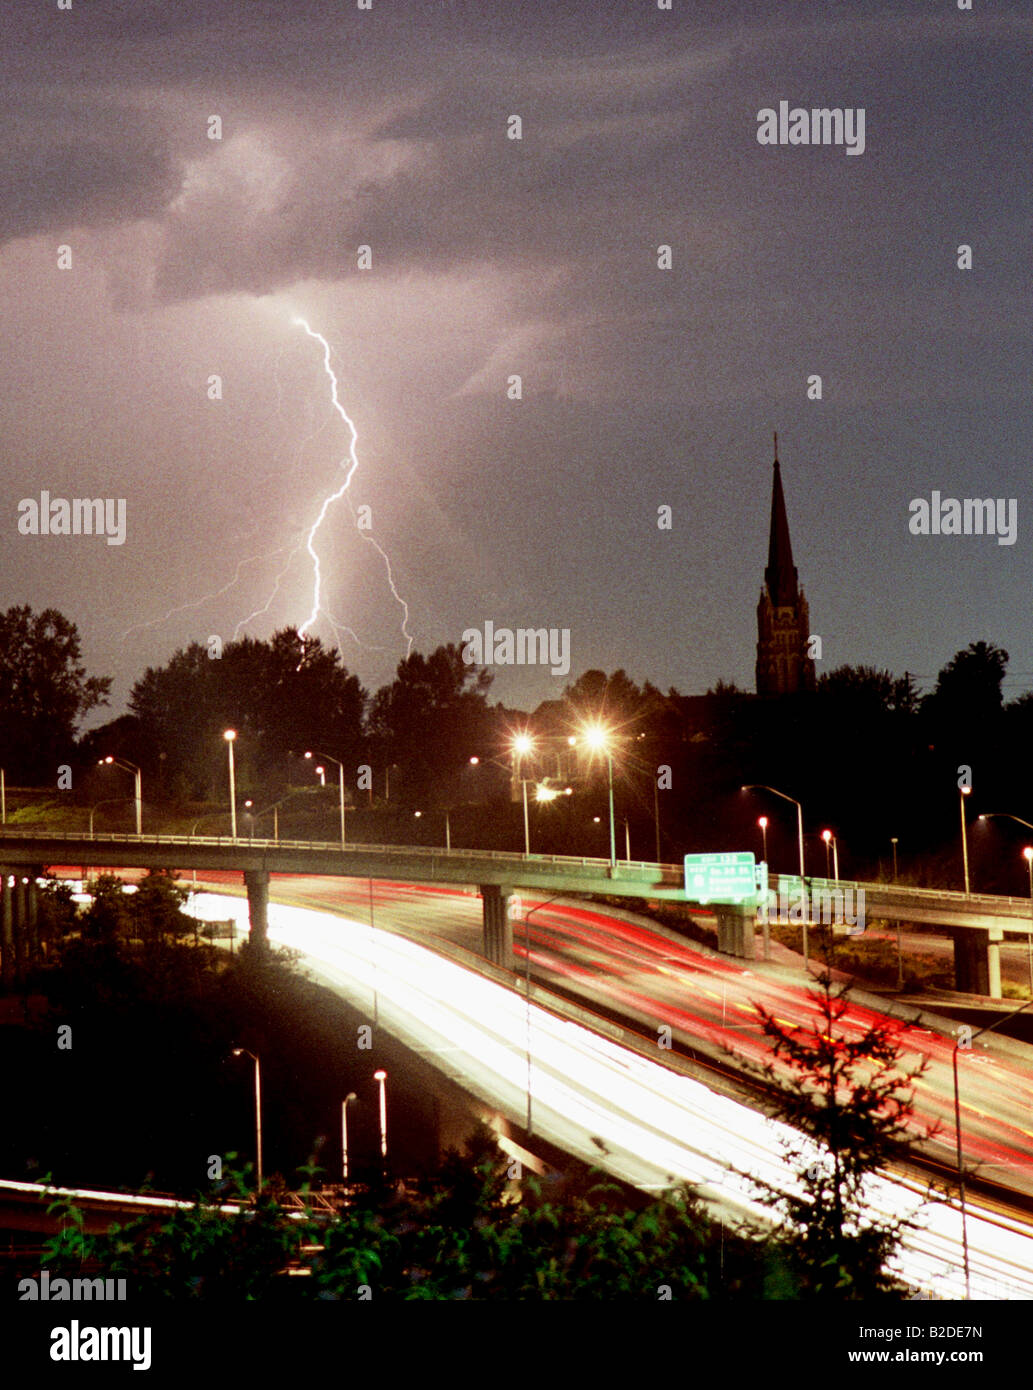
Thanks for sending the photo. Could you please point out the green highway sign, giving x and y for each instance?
(726, 877)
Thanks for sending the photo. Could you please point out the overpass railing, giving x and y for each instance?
(335, 846)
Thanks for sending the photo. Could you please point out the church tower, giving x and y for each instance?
(783, 622)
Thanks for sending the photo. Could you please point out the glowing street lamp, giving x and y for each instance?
(829, 838)
(762, 821)
(137, 785)
(598, 739)
(757, 786)
(243, 1052)
(344, 1133)
(230, 736)
(340, 783)
(381, 1076)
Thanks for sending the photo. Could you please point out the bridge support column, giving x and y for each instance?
(994, 937)
(257, 883)
(21, 930)
(498, 929)
(32, 916)
(972, 963)
(736, 928)
(7, 929)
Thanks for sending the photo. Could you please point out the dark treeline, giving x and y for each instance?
(866, 755)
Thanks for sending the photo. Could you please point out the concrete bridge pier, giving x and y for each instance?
(498, 929)
(977, 961)
(257, 883)
(21, 918)
(736, 929)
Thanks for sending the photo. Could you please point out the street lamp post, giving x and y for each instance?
(957, 1130)
(111, 801)
(340, 784)
(893, 842)
(598, 740)
(830, 839)
(381, 1077)
(762, 821)
(344, 1134)
(127, 766)
(759, 786)
(963, 792)
(1027, 854)
(243, 1051)
(230, 736)
(3, 797)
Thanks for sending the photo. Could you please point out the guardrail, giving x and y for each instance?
(792, 881)
(335, 846)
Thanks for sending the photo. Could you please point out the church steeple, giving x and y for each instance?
(780, 574)
(783, 621)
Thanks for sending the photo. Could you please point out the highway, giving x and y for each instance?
(624, 965)
(641, 1120)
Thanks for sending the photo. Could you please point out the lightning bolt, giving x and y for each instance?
(306, 541)
(328, 502)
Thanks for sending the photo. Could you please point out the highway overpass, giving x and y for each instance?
(977, 922)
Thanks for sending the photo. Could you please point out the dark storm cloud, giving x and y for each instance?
(68, 160)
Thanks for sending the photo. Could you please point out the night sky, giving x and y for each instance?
(642, 387)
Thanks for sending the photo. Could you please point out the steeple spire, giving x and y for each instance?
(780, 574)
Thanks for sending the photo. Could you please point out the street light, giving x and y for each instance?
(829, 838)
(760, 786)
(598, 739)
(381, 1076)
(111, 801)
(762, 821)
(344, 1134)
(137, 785)
(964, 791)
(893, 842)
(230, 735)
(957, 1127)
(448, 828)
(243, 1052)
(340, 783)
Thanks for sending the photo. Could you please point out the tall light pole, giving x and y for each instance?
(522, 745)
(598, 740)
(957, 1128)
(893, 842)
(762, 821)
(340, 783)
(243, 1052)
(127, 766)
(381, 1077)
(830, 839)
(963, 792)
(230, 736)
(760, 786)
(3, 797)
(344, 1134)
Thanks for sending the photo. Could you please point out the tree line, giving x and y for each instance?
(867, 755)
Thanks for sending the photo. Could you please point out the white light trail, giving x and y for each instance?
(657, 1125)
